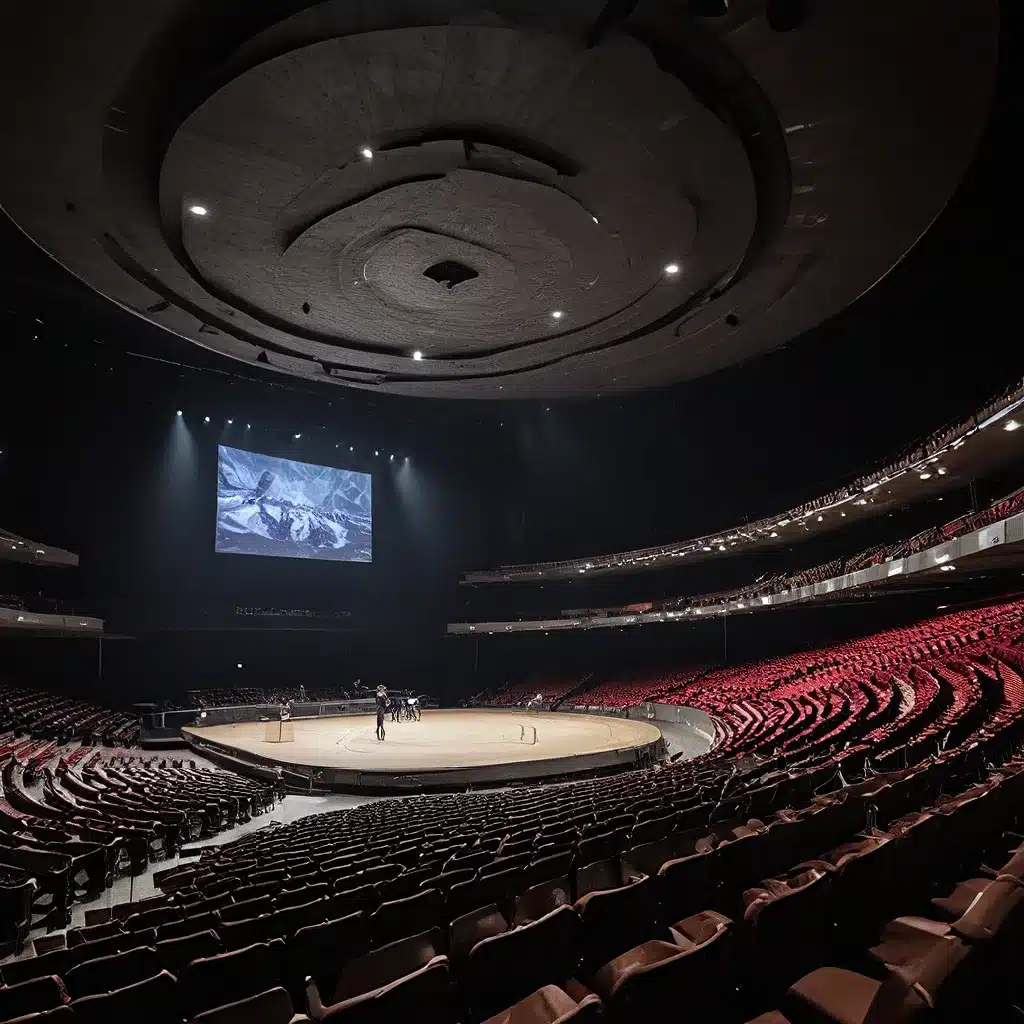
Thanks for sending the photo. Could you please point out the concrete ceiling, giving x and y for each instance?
(522, 160)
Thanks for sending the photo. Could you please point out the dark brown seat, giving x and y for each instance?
(152, 1001)
(32, 996)
(320, 951)
(466, 931)
(693, 958)
(549, 1005)
(271, 1007)
(112, 972)
(227, 977)
(410, 916)
(176, 954)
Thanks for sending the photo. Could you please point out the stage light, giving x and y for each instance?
(179, 413)
(417, 355)
(671, 268)
(199, 211)
(206, 419)
(296, 436)
(366, 153)
(557, 314)
(230, 422)
(1011, 425)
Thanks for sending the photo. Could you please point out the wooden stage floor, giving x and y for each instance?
(441, 740)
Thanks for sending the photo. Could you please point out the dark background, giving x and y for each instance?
(94, 459)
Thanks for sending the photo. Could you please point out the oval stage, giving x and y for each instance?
(445, 748)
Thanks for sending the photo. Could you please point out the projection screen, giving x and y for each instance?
(288, 509)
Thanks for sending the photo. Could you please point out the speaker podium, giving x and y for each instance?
(280, 732)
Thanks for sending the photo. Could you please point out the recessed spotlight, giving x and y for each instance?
(671, 268)
(926, 476)
(199, 211)
(391, 458)
(350, 448)
(366, 153)
(1011, 425)
(594, 219)
(942, 471)
(557, 314)
(206, 419)
(230, 422)
(376, 452)
(238, 665)
(248, 425)
(179, 413)
(296, 436)
(947, 567)
(417, 355)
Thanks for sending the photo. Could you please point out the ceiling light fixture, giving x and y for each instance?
(926, 476)
(199, 211)
(179, 413)
(230, 422)
(557, 314)
(1011, 425)
(417, 355)
(206, 419)
(671, 268)
(366, 153)
(296, 436)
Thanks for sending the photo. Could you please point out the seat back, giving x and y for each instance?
(32, 996)
(271, 1007)
(112, 972)
(227, 977)
(153, 1001)
(505, 968)
(466, 931)
(320, 951)
(421, 994)
(382, 966)
(176, 954)
(410, 916)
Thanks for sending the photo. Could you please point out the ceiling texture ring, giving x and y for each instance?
(540, 202)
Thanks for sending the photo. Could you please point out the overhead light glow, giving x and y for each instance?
(230, 422)
(247, 426)
(179, 413)
(820, 518)
(926, 476)
(947, 567)
(557, 314)
(391, 458)
(942, 471)
(671, 268)
(773, 534)
(199, 211)
(350, 448)
(366, 153)
(206, 419)
(239, 665)
(1011, 425)
(296, 436)
(594, 219)
(417, 355)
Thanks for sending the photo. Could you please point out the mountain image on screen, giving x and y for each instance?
(278, 507)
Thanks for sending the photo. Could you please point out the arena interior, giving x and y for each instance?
(509, 514)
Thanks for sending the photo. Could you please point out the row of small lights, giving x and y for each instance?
(296, 437)
(670, 269)
(1009, 426)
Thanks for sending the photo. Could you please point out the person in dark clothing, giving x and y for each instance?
(382, 706)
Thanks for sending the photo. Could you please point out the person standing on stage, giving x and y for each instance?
(382, 704)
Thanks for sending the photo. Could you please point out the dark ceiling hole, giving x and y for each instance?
(450, 273)
(732, 320)
(305, 307)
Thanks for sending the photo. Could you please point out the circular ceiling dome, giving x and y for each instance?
(538, 203)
